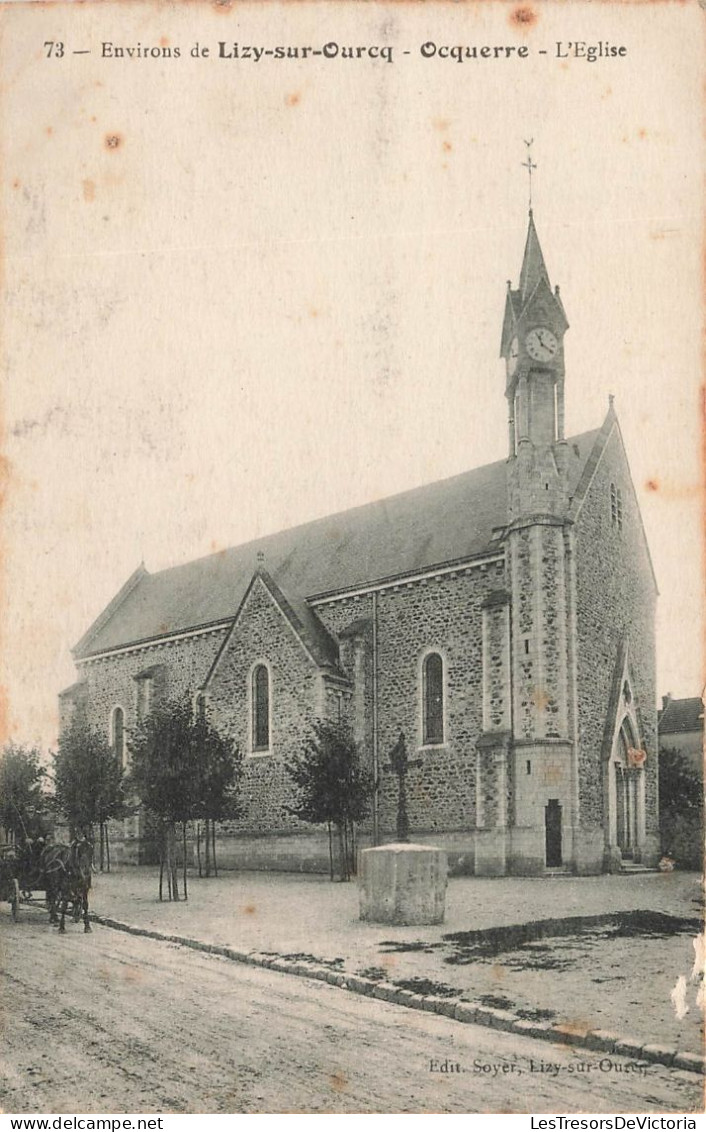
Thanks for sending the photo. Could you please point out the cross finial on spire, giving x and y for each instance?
(529, 165)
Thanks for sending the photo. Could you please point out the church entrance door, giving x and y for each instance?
(624, 775)
(626, 809)
(552, 833)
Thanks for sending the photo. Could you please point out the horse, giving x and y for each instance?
(65, 872)
(9, 884)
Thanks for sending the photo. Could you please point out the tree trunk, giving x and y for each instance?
(402, 819)
(100, 856)
(171, 864)
(330, 852)
(346, 831)
(207, 825)
(341, 851)
(345, 849)
(107, 848)
(183, 847)
(213, 838)
(164, 858)
(161, 871)
(198, 846)
(173, 855)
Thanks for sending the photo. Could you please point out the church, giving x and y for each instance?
(503, 620)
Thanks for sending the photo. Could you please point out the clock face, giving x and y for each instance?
(541, 344)
(513, 356)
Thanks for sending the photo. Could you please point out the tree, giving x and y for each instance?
(182, 769)
(681, 809)
(88, 783)
(23, 803)
(334, 788)
(219, 771)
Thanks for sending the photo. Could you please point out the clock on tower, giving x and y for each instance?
(533, 348)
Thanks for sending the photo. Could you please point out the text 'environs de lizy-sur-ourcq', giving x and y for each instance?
(430, 50)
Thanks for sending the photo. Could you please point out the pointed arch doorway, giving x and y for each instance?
(624, 771)
(626, 793)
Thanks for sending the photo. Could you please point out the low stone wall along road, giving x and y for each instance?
(115, 1023)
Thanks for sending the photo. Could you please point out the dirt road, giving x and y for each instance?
(113, 1023)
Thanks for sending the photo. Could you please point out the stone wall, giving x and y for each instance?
(540, 644)
(616, 598)
(264, 635)
(384, 640)
(110, 681)
(441, 614)
(497, 675)
(553, 634)
(351, 621)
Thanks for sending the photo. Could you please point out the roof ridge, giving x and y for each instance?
(357, 507)
(446, 521)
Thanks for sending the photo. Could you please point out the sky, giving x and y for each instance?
(239, 295)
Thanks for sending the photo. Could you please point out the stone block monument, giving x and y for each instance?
(403, 884)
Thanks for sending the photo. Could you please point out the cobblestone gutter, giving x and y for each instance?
(463, 1011)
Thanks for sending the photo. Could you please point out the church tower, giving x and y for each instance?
(533, 348)
(542, 772)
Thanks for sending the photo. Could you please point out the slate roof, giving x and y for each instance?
(74, 689)
(533, 265)
(682, 715)
(441, 523)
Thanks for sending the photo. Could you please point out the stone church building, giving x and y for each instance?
(502, 619)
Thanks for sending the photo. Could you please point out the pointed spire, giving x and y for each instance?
(533, 266)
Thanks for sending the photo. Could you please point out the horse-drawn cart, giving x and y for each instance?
(62, 872)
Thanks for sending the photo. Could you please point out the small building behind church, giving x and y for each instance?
(681, 728)
(503, 620)
(681, 748)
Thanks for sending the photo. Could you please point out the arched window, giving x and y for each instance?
(261, 708)
(433, 698)
(118, 730)
(144, 696)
